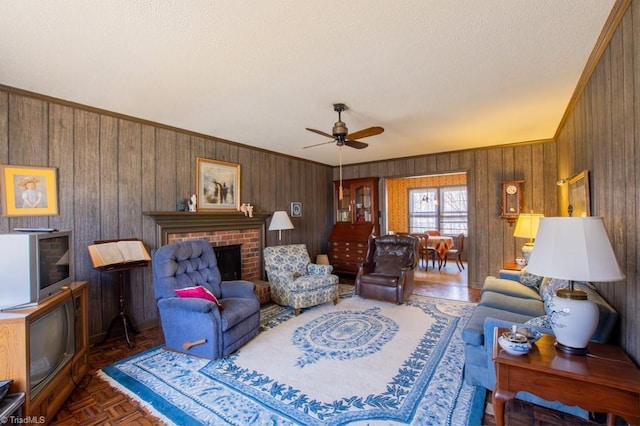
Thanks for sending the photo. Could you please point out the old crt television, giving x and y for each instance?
(52, 345)
(34, 266)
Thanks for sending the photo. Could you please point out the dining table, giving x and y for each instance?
(439, 243)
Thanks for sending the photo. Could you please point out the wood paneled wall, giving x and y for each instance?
(112, 168)
(490, 242)
(601, 133)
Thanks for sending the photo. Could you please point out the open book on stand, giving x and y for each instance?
(118, 253)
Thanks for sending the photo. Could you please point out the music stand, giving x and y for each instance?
(122, 318)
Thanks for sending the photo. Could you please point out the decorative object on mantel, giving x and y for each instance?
(29, 191)
(527, 227)
(218, 185)
(193, 203)
(247, 209)
(573, 249)
(182, 205)
(279, 221)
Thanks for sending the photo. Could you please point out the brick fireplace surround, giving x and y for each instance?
(221, 229)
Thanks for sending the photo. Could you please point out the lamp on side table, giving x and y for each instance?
(527, 227)
(573, 249)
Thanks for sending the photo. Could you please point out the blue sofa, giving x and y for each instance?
(505, 301)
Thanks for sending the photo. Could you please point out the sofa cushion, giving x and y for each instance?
(473, 332)
(509, 274)
(518, 305)
(382, 279)
(510, 288)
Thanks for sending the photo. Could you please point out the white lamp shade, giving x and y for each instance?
(280, 220)
(574, 248)
(527, 225)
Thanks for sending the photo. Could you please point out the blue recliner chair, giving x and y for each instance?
(196, 325)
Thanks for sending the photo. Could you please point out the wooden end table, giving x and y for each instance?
(604, 381)
(512, 266)
(263, 291)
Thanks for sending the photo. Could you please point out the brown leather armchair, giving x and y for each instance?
(388, 271)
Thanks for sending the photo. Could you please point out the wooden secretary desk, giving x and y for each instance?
(356, 217)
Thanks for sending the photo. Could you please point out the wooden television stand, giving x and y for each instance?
(14, 352)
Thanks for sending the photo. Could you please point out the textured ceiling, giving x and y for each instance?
(438, 75)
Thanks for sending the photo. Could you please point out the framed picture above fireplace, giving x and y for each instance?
(218, 185)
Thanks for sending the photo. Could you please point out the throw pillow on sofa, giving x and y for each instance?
(548, 289)
(539, 322)
(530, 280)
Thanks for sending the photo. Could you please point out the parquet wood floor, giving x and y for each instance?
(94, 402)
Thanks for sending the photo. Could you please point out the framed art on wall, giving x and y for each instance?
(579, 198)
(29, 191)
(296, 209)
(218, 185)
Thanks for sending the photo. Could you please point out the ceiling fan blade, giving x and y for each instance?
(356, 144)
(320, 132)
(318, 144)
(365, 133)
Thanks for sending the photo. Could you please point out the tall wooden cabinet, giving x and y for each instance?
(356, 217)
(15, 363)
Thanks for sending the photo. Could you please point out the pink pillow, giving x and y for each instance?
(199, 292)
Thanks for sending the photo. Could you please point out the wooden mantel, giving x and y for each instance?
(180, 222)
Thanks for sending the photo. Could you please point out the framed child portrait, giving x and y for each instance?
(29, 191)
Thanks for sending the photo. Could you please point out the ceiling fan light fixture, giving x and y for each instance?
(340, 129)
(340, 132)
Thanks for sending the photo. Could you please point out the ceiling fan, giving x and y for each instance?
(341, 137)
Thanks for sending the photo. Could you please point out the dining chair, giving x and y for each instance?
(431, 252)
(456, 252)
(422, 250)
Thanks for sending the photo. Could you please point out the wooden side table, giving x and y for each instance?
(512, 266)
(604, 381)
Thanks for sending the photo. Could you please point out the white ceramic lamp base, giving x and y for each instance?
(573, 319)
(526, 251)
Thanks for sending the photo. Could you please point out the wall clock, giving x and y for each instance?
(511, 200)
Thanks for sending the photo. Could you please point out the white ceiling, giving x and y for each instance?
(438, 75)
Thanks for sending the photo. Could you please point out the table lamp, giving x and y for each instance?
(573, 249)
(279, 221)
(527, 227)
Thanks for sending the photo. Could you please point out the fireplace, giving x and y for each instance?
(220, 229)
(229, 261)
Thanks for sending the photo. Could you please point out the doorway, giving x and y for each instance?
(418, 204)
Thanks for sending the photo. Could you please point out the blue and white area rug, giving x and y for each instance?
(358, 362)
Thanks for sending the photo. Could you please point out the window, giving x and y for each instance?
(443, 208)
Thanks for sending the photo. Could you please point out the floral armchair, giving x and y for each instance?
(297, 282)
